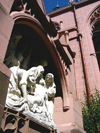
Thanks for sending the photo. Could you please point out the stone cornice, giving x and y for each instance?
(70, 7)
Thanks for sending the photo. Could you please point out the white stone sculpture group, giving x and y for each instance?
(29, 93)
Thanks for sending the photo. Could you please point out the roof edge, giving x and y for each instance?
(68, 7)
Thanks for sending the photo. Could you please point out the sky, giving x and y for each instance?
(50, 4)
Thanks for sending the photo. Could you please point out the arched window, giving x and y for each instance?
(96, 40)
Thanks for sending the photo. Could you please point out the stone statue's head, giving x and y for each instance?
(40, 71)
(36, 73)
(49, 79)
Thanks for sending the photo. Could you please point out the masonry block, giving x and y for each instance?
(7, 4)
(6, 23)
(1, 113)
(4, 81)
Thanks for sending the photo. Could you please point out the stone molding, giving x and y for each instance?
(95, 15)
(19, 122)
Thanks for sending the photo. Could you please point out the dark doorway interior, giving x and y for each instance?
(34, 51)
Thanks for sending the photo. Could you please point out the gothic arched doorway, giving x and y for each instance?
(34, 38)
(26, 42)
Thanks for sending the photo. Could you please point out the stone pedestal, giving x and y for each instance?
(14, 121)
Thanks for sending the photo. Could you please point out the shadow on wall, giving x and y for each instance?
(76, 131)
(72, 131)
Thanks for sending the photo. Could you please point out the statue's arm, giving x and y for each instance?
(24, 77)
(52, 91)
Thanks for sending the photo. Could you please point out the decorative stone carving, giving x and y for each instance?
(95, 15)
(51, 90)
(71, 1)
(30, 94)
(16, 122)
(21, 6)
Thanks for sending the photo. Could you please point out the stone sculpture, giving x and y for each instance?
(29, 93)
(51, 90)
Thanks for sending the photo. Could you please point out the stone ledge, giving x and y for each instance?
(21, 123)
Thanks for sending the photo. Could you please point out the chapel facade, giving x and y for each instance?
(82, 18)
(63, 44)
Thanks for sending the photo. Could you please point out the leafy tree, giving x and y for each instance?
(91, 112)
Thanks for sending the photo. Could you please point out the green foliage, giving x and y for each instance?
(91, 112)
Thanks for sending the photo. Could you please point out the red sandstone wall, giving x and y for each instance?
(6, 25)
(87, 44)
(91, 64)
(67, 19)
(62, 119)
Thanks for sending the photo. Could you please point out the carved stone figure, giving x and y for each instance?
(23, 79)
(37, 100)
(29, 93)
(51, 91)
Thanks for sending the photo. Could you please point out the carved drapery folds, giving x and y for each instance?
(30, 94)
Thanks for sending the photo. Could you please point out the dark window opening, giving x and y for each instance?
(96, 41)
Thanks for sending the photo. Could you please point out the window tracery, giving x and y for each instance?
(95, 15)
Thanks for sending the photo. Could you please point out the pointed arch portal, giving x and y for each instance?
(38, 50)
